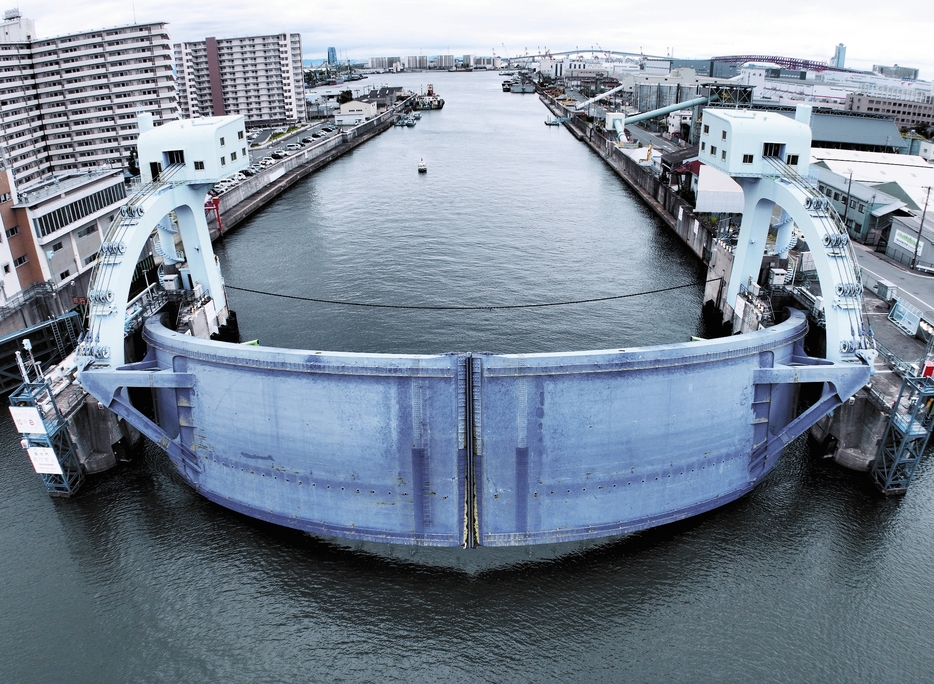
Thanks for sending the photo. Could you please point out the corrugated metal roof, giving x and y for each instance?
(888, 209)
(853, 130)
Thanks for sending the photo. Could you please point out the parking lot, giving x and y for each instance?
(266, 152)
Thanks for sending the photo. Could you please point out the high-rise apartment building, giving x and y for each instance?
(70, 102)
(259, 77)
(332, 55)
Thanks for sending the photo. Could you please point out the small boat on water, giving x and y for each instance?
(422, 166)
(410, 122)
(417, 116)
(552, 122)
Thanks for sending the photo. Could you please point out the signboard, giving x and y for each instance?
(908, 242)
(27, 420)
(79, 300)
(740, 308)
(44, 460)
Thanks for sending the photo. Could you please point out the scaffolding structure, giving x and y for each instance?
(906, 436)
(46, 439)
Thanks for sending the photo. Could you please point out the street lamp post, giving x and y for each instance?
(914, 259)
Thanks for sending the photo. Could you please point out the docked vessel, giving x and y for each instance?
(428, 100)
(422, 166)
(465, 449)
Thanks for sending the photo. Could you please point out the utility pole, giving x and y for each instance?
(914, 259)
(846, 202)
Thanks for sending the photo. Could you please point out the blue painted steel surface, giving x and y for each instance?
(565, 446)
(590, 444)
(348, 445)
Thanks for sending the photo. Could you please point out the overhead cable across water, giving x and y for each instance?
(488, 307)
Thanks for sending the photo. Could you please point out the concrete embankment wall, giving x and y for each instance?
(676, 212)
(251, 195)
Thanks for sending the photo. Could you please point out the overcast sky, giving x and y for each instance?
(873, 32)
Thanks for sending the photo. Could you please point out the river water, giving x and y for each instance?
(812, 577)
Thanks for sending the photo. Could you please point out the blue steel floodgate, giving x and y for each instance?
(467, 449)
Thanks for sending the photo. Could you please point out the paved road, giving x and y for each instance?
(639, 134)
(918, 289)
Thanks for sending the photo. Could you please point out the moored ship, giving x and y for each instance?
(428, 100)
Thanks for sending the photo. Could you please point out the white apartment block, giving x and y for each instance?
(260, 77)
(70, 102)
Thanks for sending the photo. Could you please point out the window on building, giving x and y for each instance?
(836, 196)
(852, 204)
(706, 128)
(58, 246)
(223, 161)
(63, 275)
(90, 259)
(222, 142)
(747, 159)
(792, 160)
(19, 261)
(6, 269)
(713, 150)
(199, 166)
(703, 146)
(87, 230)
(722, 135)
(176, 156)
(240, 135)
(861, 208)
(12, 230)
(233, 156)
(723, 155)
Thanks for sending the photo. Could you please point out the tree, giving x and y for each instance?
(344, 97)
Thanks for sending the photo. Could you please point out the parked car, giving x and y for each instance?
(308, 139)
(248, 172)
(267, 161)
(319, 134)
(294, 147)
(279, 154)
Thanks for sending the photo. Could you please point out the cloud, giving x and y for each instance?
(872, 33)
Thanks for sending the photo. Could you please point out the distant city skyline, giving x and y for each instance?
(368, 28)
